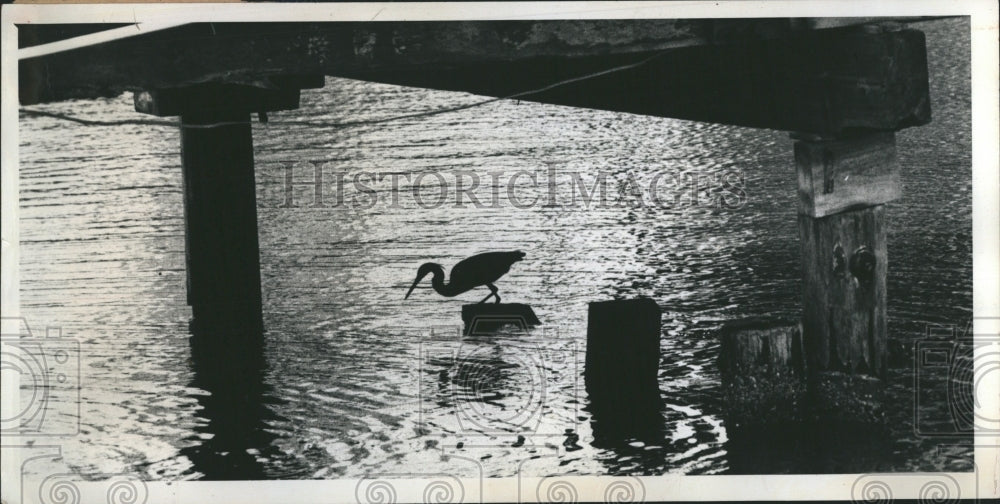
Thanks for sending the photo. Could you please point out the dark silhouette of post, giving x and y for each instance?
(220, 214)
(623, 361)
(220, 206)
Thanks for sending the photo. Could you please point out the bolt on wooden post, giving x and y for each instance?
(843, 185)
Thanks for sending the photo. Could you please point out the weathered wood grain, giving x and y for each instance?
(762, 367)
(843, 291)
(839, 175)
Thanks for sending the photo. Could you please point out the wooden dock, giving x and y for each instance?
(842, 87)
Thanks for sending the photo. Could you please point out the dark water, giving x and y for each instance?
(355, 380)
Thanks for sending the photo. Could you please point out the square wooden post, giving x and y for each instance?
(220, 218)
(220, 204)
(843, 186)
(621, 373)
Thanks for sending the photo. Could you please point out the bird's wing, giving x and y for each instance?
(486, 267)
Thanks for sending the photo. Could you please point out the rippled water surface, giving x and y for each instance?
(358, 381)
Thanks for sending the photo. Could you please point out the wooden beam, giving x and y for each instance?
(827, 82)
(820, 81)
(233, 52)
(839, 175)
(267, 94)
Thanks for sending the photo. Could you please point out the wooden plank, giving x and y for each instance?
(839, 175)
(843, 291)
(821, 81)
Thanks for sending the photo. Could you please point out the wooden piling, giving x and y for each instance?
(843, 184)
(220, 213)
(623, 356)
(762, 367)
(220, 206)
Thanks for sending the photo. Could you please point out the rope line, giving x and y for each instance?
(347, 124)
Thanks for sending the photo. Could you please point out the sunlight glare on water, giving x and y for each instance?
(359, 381)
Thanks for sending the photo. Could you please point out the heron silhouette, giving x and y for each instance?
(469, 273)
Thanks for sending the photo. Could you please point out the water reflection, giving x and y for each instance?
(808, 448)
(493, 386)
(636, 433)
(102, 246)
(229, 365)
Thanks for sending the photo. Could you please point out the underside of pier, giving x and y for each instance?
(841, 86)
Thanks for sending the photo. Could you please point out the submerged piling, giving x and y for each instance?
(763, 372)
(623, 360)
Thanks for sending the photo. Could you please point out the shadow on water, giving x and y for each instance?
(236, 445)
(808, 448)
(629, 432)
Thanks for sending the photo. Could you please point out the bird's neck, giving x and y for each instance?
(437, 282)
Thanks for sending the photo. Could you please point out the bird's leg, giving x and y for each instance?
(493, 293)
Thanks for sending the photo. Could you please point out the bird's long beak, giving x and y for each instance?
(414, 286)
